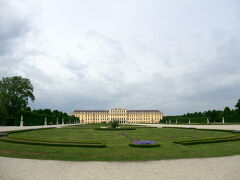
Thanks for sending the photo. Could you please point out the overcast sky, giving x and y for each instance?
(176, 56)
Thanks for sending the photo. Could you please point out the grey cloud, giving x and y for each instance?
(13, 27)
(174, 73)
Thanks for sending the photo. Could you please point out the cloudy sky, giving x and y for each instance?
(177, 56)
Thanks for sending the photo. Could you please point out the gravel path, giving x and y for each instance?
(223, 168)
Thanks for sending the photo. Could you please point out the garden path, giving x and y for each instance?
(220, 168)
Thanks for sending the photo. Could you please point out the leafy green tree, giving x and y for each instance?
(15, 93)
(3, 111)
(238, 105)
(47, 111)
(226, 111)
(114, 124)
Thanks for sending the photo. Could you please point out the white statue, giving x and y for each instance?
(21, 122)
(45, 122)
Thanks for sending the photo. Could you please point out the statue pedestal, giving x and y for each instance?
(21, 123)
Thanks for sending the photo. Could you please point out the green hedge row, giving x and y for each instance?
(184, 120)
(34, 119)
(43, 143)
(222, 130)
(31, 118)
(144, 145)
(233, 118)
(211, 140)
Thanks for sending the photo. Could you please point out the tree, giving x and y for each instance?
(114, 124)
(238, 105)
(226, 111)
(15, 93)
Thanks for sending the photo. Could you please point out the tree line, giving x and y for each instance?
(211, 116)
(15, 94)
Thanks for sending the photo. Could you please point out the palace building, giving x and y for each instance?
(121, 115)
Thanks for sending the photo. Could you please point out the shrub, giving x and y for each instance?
(114, 124)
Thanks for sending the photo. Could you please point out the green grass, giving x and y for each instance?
(117, 144)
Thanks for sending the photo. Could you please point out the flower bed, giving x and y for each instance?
(3, 134)
(144, 144)
(236, 131)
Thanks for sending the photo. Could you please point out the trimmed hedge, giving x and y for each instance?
(211, 140)
(114, 129)
(48, 143)
(144, 145)
(222, 130)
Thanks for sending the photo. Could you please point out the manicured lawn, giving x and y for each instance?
(117, 144)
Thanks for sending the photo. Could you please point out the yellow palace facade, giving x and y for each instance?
(121, 115)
